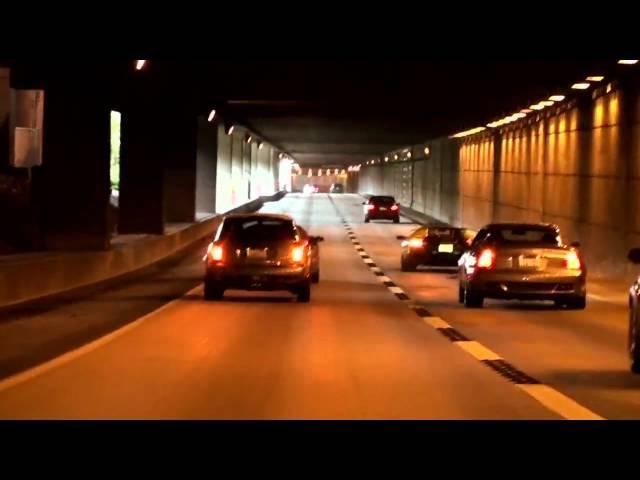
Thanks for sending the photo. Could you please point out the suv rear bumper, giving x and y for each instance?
(283, 278)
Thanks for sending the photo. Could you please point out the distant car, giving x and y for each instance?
(438, 246)
(308, 189)
(381, 207)
(522, 262)
(337, 188)
(259, 252)
(634, 319)
(315, 253)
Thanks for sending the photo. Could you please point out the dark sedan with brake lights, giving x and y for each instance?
(437, 246)
(519, 261)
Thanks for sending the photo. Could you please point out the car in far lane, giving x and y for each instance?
(336, 188)
(435, 246)
(634, 319)
(522, 261)
(381, 207)
(263, 252)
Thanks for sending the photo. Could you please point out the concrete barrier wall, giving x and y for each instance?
(577, 166)
(28, 278)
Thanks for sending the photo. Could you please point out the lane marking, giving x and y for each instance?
(559, 403)
(548, 397)
(478, 350)
(65, 358)
(436, 322)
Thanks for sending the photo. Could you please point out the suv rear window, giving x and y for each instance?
(382, 200)
(257, 228)
(528, 235)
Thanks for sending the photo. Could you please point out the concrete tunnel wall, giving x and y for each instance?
(243, 172)
(577, 166)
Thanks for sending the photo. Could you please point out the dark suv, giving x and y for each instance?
(259, 252)
(381, 207)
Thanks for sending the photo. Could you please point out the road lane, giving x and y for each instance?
(580, 353)
(354, 352)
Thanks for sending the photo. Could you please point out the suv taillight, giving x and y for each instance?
(395, 208)
(486, 259)
(297, 253)
(215, 253)
(371, 206)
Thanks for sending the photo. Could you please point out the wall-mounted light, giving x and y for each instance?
(627, 62)
(580, 86)
(528, 110)
(395, 157)
(140, 64)
(231, 129)
(408, 154)
(260, 145)
(537, 106)
(249, 139)
(547, 103)
(427, 151)
(595, 78)
(556, 98)
(212, 115)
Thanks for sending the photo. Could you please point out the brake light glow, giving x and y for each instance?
(415, 242)
(572, 262)
(487, 259)
(297, 253)
(394, 207)
(371, 207)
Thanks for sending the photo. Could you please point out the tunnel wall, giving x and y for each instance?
(577, 166)
(206, 167)
(243, 172)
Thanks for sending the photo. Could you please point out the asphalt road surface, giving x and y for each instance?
(374, 343)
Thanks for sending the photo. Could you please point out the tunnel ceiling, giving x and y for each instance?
(342, 112)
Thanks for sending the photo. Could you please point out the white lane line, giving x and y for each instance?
(478, 350)
(395, 290)
(436, 322)
(559, 403)
(384, 279)
(65, 358)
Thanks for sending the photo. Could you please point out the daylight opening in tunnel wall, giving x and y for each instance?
(114, 154)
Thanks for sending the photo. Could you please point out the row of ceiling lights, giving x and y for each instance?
(408, 155)
(584, 85)
(140, 64)
(336, 171)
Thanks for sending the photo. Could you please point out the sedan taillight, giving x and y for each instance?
(572, 261)
(371, 207)
(395, 208)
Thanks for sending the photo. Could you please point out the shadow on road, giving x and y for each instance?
(230, 298)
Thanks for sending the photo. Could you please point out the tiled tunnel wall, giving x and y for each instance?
(577, 166)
